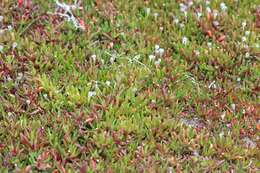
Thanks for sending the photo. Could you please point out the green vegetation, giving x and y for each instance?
(143, 86)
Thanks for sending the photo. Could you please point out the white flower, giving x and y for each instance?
(161, 51)
(207, 2)
(184, 40)
(1, 48)
(221, 134)
(161, 28)
(243, 39)
(148, 11)
(233, 106)
(157, 63)
(257, 45)
(183, 7)
(215, 14)
(208, 9)
(108, 83)
(176, 21)
(215, 23)
(223, 6)
(19, 76)
(9, 27)
(182, 25)
(93, 57)
(243, 25)
(1, 18)
(156, 47)
(209, 44)
(247, 55)
(238, 79)
(156, 15)
(2, 31)
(199, 14)
(247, 33)
(112, 59)
(91, 94)
(151, 57)
(197, 53)
(14, 45)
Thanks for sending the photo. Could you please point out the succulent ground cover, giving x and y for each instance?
(129, 86)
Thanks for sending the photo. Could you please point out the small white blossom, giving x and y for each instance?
(14, 45)
(157, 63)
(1, 18)
(197, 53)
(233, 106)
(1, 48)
(19, 76)
(2, 31)
(148, 11)
(112, 59)
(151, 57)
(223, 115)
(209, 44)
(215, 14)
(156, 47)
(243, 39)
(246, 46)
(161, 51)
(156, 15)
(28, 102)
(207, 2)
(183, 7)
(9, 27)
(215, 23)
(257, 45)
(247, 33)
(199, 14)
(9, 114)
(223, 6)
(91, 94)
(243, 25)
(190, 3)
(161, 28)
(221, 134)
(108, 83)
(94, 58)
(184, 40)
(176, 21)
(208, 9)
(247, 55)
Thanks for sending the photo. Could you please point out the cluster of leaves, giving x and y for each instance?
(93, 100)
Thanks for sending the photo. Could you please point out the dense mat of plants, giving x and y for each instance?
(129, 86)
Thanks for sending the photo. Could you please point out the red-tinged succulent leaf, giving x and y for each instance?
(83, 168)
(2, 146)
(27, 169)
(61, 168)
(257, 22)
(89, 120)
(28, 3)
(94, 164)
(24, 140)
(40, 161)
(43, 166)
(20, 3)
(43, 156)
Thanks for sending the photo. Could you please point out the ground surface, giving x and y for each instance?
(148, 86)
